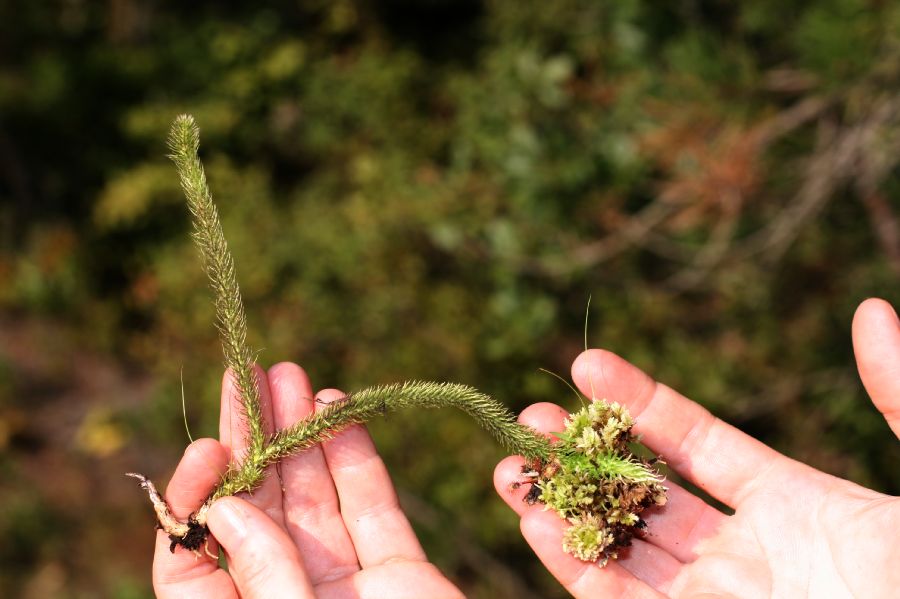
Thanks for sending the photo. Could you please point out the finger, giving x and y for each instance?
(544, 532)
(182, 574)
(677, 527)
(311, 509)
(714, 455)
(200, 470)
(263, 559)
(378, 527)
(397, 580)
(876, 342)
(233, 431)
(510, 484)
(545, 417)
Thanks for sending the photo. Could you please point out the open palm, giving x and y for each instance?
(796, 531)
(325, 523)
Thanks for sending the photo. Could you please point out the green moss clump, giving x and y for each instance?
(597, 483)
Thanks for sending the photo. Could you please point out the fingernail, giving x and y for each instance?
(228, 522)
(329, 396)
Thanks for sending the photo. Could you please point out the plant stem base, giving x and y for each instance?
(191, 535)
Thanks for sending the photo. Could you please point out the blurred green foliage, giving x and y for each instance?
(431, 189)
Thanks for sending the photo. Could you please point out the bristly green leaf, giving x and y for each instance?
(563, 436)
(184, 141)
(363, 405)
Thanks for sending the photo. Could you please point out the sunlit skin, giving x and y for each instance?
(328, 524)
(325, 524)
(796, 531)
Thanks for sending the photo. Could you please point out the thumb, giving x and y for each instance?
(263, 561)
(876, 342)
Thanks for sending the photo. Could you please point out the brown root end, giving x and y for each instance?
(197, 536)
(191, 535)
(533, 495)
(533, 472)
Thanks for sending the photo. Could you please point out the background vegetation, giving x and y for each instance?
(430, 189)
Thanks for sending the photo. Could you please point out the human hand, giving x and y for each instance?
(796, 531)
(325, 523)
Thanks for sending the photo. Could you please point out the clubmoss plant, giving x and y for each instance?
(589, 476)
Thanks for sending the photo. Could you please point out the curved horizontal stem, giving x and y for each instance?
(368, 403)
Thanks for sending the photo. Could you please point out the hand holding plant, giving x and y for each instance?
(326, 524)
(326, 520)
(795, 532)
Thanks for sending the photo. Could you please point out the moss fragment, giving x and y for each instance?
(597, 483)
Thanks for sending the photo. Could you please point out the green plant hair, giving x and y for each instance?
(184, 141)
(366, 404)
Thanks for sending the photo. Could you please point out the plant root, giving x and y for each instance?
(214, 557)
(191, 535)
